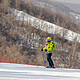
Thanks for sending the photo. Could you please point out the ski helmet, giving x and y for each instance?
(48, 39)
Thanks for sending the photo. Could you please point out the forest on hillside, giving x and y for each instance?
(23, 43)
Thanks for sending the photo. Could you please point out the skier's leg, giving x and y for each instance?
(49, 59)
(52, 65)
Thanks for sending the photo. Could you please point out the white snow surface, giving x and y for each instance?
(10, 71)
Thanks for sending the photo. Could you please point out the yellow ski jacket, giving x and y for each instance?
(50, 46)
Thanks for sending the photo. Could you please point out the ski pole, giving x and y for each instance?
(43, 57)
(49, 59)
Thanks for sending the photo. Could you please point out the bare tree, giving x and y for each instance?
(17, 4)
(5, 4)
(74, 54)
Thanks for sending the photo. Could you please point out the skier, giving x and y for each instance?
(49, 48)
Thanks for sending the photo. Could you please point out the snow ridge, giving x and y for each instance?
(46, 26)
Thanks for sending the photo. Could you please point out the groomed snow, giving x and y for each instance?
(29, 72)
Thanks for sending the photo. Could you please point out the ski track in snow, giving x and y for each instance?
(10, 71)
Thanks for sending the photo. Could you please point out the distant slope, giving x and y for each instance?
(73, 6)
(46, 26)
(29, 72)
(54, 5)
(59, 8)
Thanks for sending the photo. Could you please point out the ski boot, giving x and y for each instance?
(50, 67)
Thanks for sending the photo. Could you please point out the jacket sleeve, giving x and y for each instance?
(45, 47)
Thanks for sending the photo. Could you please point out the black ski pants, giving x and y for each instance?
(49, 59)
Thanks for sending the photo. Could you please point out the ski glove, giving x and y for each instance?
(41, 49)
(46, 50)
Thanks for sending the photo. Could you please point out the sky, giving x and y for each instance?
(70, 1)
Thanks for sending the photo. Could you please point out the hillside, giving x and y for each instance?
(22, 42)
(32, 72)
(59, 7)
(74, 6)
(52, 12)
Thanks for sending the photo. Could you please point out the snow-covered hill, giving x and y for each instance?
(59, 7)
(28, 72)
(45, 26)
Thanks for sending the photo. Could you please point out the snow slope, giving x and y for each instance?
(45, 26)
(29, 72)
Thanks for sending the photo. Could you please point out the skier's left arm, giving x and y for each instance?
(45, 47)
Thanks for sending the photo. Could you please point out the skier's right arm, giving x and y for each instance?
(45, 47)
